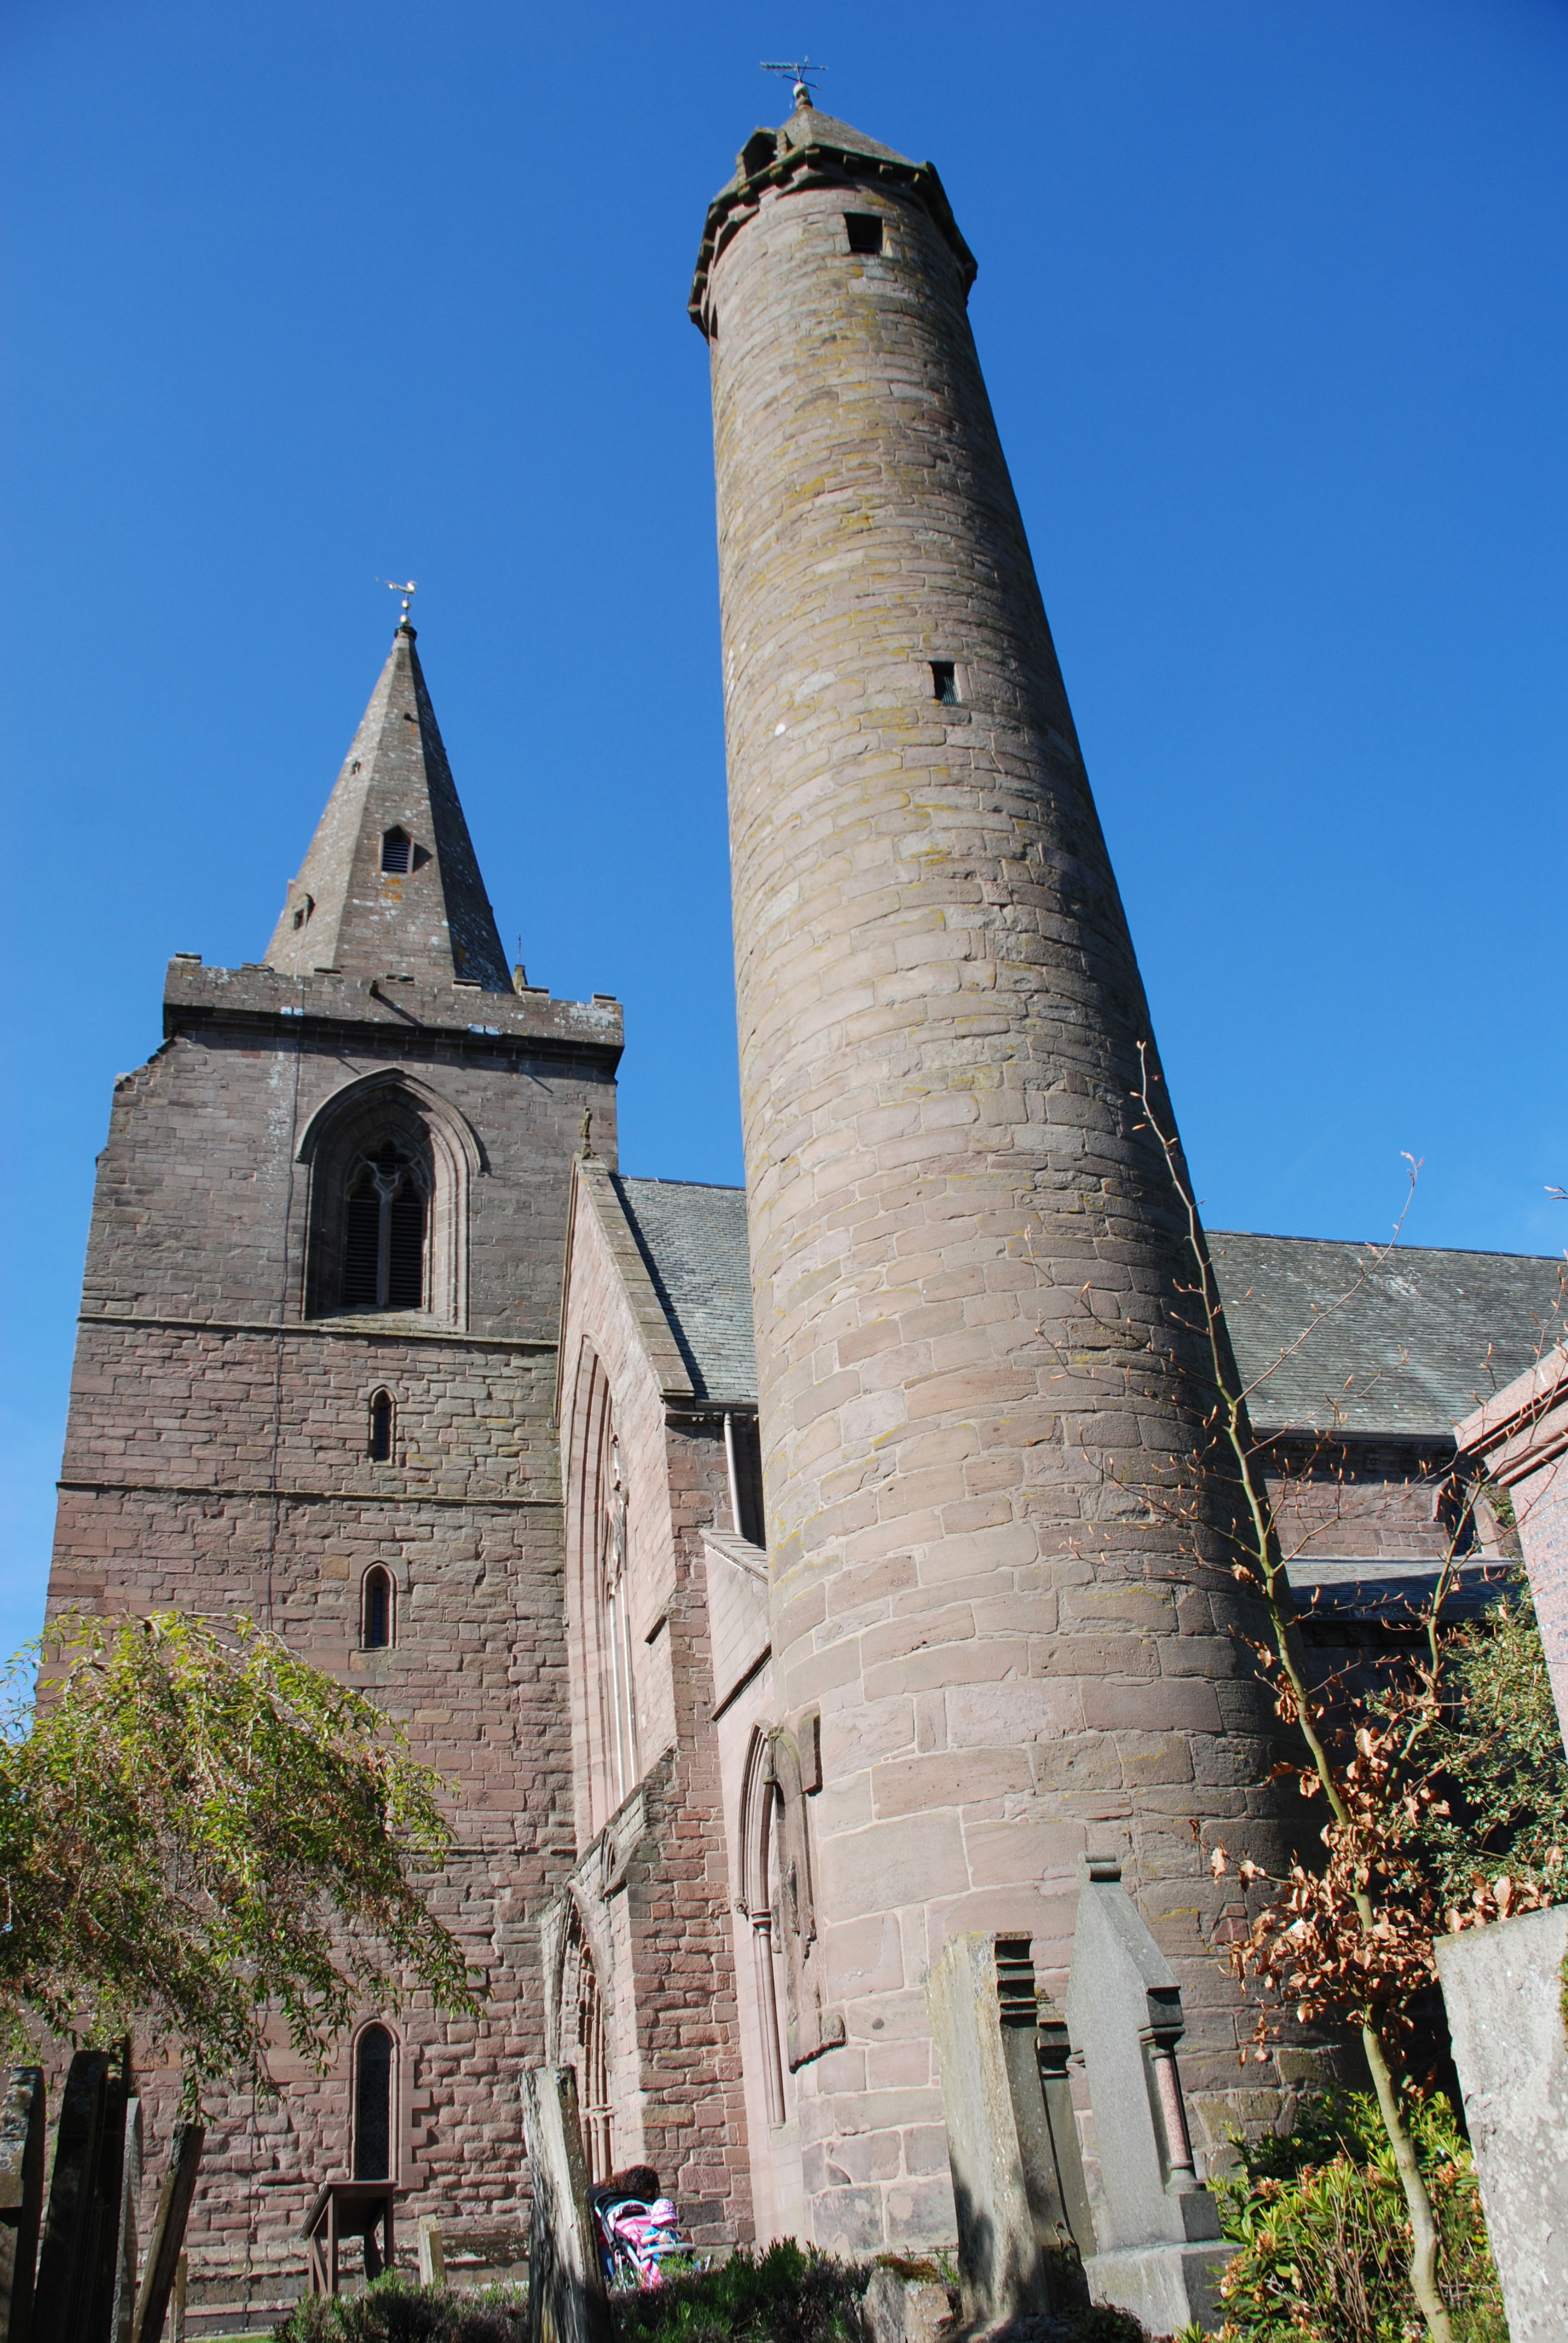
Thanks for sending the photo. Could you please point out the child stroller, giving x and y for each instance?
(637, 2230)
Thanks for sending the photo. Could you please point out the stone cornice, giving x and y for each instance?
(335, 1329)
(816, 162)
(406, 1009)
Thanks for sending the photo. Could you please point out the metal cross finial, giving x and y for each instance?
(798, 73)
(407, 592)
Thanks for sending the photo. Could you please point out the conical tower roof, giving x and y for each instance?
(391, 886)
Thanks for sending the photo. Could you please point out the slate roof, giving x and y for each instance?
(1425, 1338)
(693, 1239)
(1412, 1345)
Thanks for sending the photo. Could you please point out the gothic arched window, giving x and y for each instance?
(586, 2047)
(375, 2060)
(383, 1233)
(383, 1417)
(391, 1166)
(375, 1610)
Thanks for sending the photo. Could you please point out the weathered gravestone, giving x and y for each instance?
(1156, 2224)
(1021, 2210)
(122, 2323)
(21, 2199)
(70, 2261)
(566, 2297)
(1504, 1990)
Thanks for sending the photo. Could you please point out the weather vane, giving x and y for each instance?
(798, 73)
(407, 592)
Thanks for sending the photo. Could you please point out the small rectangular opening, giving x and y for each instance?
(944, 682)
(865, 231)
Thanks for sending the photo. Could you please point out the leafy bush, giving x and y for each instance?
(1320, 2218)
(390, 2311)
(788, 2294)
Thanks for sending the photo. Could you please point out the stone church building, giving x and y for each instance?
(765, 1570)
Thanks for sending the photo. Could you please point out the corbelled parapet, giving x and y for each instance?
(967, 1261)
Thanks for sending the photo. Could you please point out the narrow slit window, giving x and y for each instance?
(945, 682)
(376, 1626)
(373, 2105)
(396, 850)
(381, 1428)
(865, 231)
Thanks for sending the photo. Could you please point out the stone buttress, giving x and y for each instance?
(967, 1261)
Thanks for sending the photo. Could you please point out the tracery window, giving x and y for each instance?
(587, 2047)
(375, 2060)
(383, 1233)
(390, 1165)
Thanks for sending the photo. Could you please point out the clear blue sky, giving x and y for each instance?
(1272, 304)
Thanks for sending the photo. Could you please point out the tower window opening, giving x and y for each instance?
(373, 2105)
(396, 850)
(375, 1634)
(381, 1428)
(383, 1235)
(944, 682)
(865, 231)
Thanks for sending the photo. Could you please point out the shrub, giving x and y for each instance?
(788, 2294)
(390, 2311)
(1319, 2218)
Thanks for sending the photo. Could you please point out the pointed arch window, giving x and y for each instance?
(383, 1422)
(383, 1233)
(375, 1610)
(583, 2018)
(397, 850)
(375, 2065)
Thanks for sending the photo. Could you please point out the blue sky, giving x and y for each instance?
(1271, 306)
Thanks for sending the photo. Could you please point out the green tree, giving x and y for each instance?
(202, 1837)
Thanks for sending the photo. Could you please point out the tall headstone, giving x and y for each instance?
(1017, 2254)
(1156, 2223)
(69, 2265)
(567, 2298)
(969, 1273)
(1502, 1986)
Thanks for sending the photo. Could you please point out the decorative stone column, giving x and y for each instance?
(967, 1262)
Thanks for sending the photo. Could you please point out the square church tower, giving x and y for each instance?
(315, 1382)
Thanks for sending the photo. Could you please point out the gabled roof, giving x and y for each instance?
(1425, 1333)
(421, 912)
(693, 1240)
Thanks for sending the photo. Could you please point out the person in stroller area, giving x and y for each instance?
(638, 2228)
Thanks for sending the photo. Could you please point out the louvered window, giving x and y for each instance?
(384, 1235)
(395, 848)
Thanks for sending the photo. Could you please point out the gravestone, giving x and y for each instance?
(1504, 1987)
(21, 2199)
(1156, 2224)
(566, 2297)
(165, 2239)
(67, 2261)
(124, 2306)
(1017, 2253)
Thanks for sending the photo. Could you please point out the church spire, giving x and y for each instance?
(391, 886)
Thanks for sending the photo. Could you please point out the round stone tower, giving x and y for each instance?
(974, 1345)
